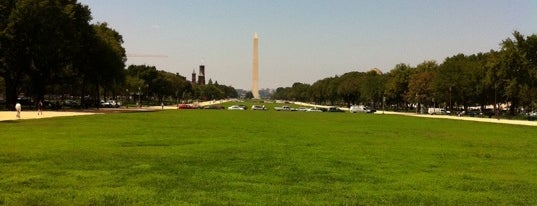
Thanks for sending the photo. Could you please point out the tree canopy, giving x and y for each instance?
(507, 76)
(49, 47)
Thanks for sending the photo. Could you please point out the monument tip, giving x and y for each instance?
(255, 35)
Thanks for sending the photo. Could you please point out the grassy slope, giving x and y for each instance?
(258, 157)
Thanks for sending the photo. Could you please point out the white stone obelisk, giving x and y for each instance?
(255, 69)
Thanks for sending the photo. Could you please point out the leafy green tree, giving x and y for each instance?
(459, 80)
(331, 88)
(419, 87)
(39, 38)
(300, 92)
(397, 85)
(6, 7)
(325, 91)
(211, 92)
(249, 95)
(109, 58)
(315, 93)
(517, 70)
(229, 91)
(372, 87)
(349, 87)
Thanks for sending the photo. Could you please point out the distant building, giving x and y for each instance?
(193, 76)
(201, 76)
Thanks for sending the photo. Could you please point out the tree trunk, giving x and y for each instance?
(513, 106)
(11, 93)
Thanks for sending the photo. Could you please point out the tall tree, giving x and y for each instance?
(397, 84)
(419, 87)
(458, 80)
(109, 57)
(39, 38)
(372, 87)
(517, 68)
(349, 85)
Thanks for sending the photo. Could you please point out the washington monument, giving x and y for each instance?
(255, 70)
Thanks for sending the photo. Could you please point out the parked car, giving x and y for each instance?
(110, 104)
(244, 107)
(257, 107)
(214, 107)
(532, 116)
(334, 109)
(185, 106)
(360, 108)
(284, 108)
(302, 109)
(235, 107)
(434, 111)
(314, 110)
(71, 103)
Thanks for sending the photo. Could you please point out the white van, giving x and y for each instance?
(436, 111)
(360, 108)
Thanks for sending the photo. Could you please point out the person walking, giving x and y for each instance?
(18, 107)
(40, 108)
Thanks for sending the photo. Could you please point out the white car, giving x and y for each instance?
(360, 108)
(302, 109)
(257, 107)
(314, 110)
(110, 103)
(235, 107)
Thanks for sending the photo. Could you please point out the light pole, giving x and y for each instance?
(127, 98)
(147, 94)
(139, 97)
(450, 107)
(417, 103)
(176, 99)
(383, 102)
(495, 103)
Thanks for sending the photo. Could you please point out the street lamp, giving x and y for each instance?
(127, 98)
(176, 99)
(495, 102)
(147, 95)
(139, 97)
(417, 103)
(383, 103)
(450, 107)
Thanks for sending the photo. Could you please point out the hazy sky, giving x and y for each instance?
(307, 40)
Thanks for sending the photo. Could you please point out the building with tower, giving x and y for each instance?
(193, 77)
(201, 76)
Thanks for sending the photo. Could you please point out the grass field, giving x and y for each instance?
(209, 157)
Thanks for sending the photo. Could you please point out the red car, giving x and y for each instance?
(186, 106)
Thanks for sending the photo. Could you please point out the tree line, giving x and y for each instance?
(49, 47)
(149, 84)
(507, 77)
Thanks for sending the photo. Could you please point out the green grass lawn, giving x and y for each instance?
(210, 157)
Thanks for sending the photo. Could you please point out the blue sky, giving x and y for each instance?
(307, 40)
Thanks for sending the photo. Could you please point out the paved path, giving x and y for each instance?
(466, 118)
(32, 114)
